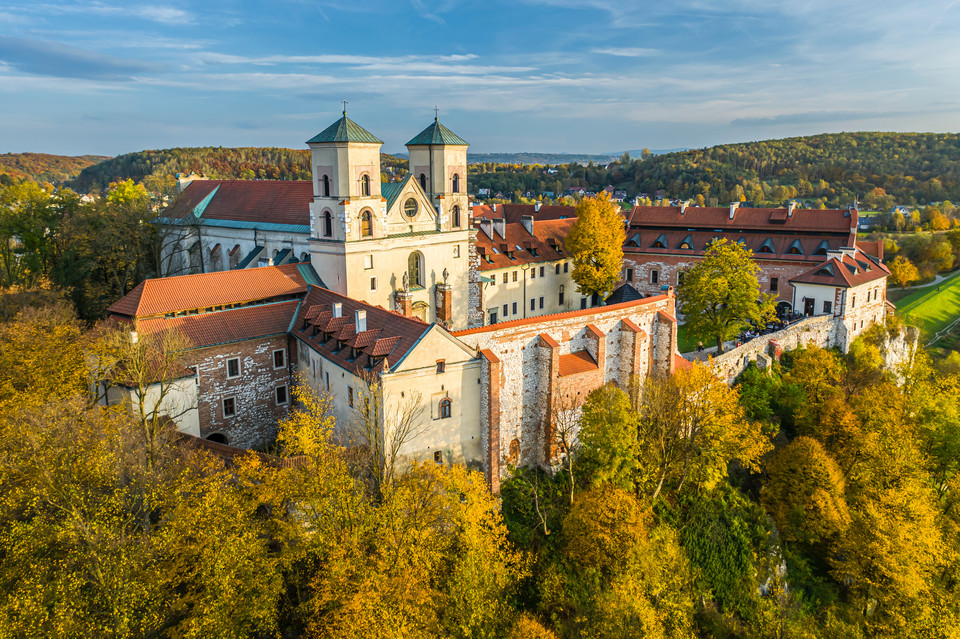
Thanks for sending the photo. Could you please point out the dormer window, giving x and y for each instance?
(822, 248)
(766, 247)
(686, 244)
(660, 242)
(795, 248)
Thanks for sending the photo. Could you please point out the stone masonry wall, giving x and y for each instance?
(526, 361)
(254, 391)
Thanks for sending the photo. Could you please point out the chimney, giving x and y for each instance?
(270, 262)
(733, 208)
(493, 207)
(790, 206)
(636, 200)
(337, 309)
(500, 226)
(527, 221)
(536, 207)
(683, 206)
(486, 225)
(360, 319)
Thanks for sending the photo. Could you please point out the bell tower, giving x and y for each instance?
(438, 161)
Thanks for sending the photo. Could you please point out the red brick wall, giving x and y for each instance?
(669, 266)
(254, 391)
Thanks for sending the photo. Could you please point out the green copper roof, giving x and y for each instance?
(436, 133)
(345, 130)
(391, 190)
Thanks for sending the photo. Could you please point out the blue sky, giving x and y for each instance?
(591, 76)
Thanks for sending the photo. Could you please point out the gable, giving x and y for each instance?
(425, 218)
(435, 345)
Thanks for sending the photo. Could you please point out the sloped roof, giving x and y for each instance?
(513, 212)
(390, 191)
(712, 217)
(845, 271)
(388, 334)
(573, 363)
(520, 242)
(222, 327)
(344, 130)
(625, 293)
(252, 201)
(642, 241)
(187, 292)
(436, 133)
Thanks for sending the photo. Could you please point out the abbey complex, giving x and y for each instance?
(465, 317)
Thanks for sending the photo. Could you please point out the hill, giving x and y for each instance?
(42, 167)
(539, 158)
(214, 162)
(877, 169)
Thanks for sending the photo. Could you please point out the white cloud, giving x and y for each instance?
(629, 52)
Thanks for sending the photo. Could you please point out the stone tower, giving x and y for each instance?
(438, 161)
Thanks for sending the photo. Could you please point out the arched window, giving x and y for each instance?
(415, 268)
(456, 183)
(423, 181)
(410, 208)
(218, 438)
(326, 186)
(327, 224)
(456, 217)
(235, 256)
(366, 224)
(446, 408)
(365, 186)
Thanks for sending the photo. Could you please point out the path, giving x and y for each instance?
(936, 280)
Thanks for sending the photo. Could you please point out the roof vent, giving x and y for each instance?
(733, 208)
(527, 221)
(360, 319)
(790, 206)
(683, 207)
(337, 309)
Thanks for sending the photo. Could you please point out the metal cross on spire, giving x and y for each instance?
(344, 106)
(436, 113)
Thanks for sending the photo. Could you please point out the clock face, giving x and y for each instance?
(410, 208)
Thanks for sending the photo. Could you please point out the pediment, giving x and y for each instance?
(426, 215)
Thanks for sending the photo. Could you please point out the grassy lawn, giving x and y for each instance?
(685, 343)
(931, 309)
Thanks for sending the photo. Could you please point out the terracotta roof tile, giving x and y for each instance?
(394, 334)
(546, 242)
(274, 201)
(579, 362)
(680, 362)
(845, 271)
(221, 327)
(711, 217)
(187, 292)
(513, 212)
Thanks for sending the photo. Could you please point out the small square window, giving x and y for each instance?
(533, 304)
(281, 395)
(373, 283)
(583, 303)
(827, 306)
(350, 396)
(541, 271)
(774, 284)
(233, 367)
(557, 269)
(629, 274)
(456, 250)
(505, 278)
(493, 317)
(533, 273)
(438, 457)
(505, 310)
(229, 407)
(367, 261)
(441, 366)
(566, 267)
(654, 277)
(514, 308)
(279, 358)
(541, 303)
(514, 276)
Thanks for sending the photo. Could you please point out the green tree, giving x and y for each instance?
(608, 438)
(720, 295)
(595, 243)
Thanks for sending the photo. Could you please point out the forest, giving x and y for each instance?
(42, 167)
(828, 170)
(817, 499)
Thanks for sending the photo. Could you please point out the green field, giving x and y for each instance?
(930, 309)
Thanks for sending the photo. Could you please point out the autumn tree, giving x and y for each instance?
(608, 438)
(720, 294)
(595, 242)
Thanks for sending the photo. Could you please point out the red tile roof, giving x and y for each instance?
(275, 201)
(579, 362)
(187, 292)
(513, 212)
(221, 327)
(709, 217)
(781, 246)
(546, 241)
(388, 334)
(845, 271)
(680, 363)
(551, 316)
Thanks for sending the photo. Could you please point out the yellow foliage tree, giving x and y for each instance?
(595, 242)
